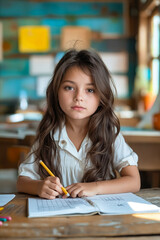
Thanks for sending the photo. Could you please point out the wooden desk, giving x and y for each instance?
(148, 150)
(138, 226)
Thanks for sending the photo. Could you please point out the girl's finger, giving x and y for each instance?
(81, 194)
(52, 193)
(74, 192)
(55, 180)
(71, 186)
(72, 189)
(55, 187)
(47, 195)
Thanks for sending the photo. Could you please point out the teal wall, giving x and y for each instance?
(100, 17)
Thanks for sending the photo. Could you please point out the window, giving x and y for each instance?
(155, 52)
(149, 50)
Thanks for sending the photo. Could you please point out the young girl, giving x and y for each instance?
(78, 137)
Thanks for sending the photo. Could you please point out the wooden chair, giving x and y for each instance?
(16, 154)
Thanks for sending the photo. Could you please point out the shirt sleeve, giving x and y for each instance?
(123, 154)
(29, 167)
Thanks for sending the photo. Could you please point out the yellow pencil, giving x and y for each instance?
(1, 208)
(51, 174)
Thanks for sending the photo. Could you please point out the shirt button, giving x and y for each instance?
(63, 142)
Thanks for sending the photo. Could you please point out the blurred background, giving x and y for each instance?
(33, 37)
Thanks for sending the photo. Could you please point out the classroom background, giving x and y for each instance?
(33, 37)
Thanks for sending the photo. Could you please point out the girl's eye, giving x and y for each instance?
(68, 88)
(91, 90)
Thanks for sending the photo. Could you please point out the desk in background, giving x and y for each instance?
(133, 226)
(15, 142)
(146, 144)
(15, 145)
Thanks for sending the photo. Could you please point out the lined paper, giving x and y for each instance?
(109, 204)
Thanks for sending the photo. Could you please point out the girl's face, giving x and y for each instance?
(77, 95)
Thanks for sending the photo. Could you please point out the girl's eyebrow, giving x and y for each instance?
(69, 81)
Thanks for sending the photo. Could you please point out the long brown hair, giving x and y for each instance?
(103, 125)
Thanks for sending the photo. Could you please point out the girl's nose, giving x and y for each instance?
(78, 96)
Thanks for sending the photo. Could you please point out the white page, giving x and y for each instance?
(5, 198)
(42, 207)
(123, 203)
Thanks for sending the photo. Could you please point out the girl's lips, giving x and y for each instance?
(78, 108)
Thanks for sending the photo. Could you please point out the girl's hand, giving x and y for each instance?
(49, 188)
(82, 189)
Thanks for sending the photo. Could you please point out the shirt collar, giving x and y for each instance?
(63, 141)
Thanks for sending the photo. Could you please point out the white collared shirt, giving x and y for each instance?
(73, 162)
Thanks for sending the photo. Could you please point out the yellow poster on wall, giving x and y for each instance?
(34, 38)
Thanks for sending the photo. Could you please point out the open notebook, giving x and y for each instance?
(110, 204)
